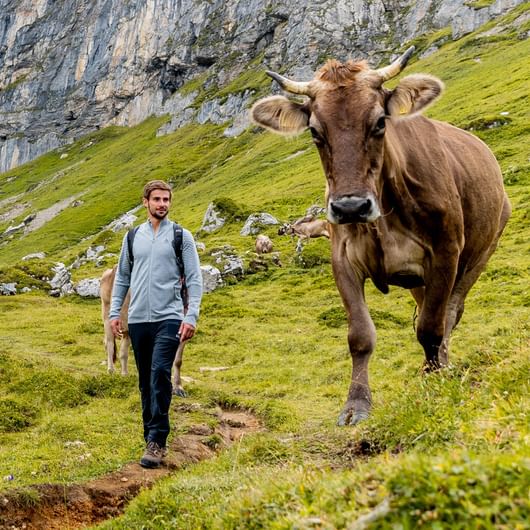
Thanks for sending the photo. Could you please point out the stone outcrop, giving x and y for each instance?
(212, 220)
(68, 68)
(125, 221)
(61, 283)
(211, 278)
(88, 288)
(34, 255)
(231, 265)
(256, 222)
(8, 289)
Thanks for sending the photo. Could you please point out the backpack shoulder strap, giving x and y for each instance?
(177, 245)
(130, 240)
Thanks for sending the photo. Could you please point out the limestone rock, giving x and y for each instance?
(211, 278)
(212, 220)
(92, 254)
(88, 288)
(13, 229)
(125, 221)
(8, 289)
(230, 263)
(61, 283)
(35, 255)
(255, 223)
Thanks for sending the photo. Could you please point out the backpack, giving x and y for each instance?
(177, 247)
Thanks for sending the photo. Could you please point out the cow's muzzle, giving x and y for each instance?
(353, 210)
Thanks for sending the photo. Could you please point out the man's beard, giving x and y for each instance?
(158, 215)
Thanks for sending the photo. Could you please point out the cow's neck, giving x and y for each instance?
(388, 251)
(398, 240)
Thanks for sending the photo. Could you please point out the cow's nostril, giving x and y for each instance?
(335, 207)
(365, 207)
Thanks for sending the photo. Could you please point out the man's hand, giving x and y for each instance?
(117, 327)
(186, 331)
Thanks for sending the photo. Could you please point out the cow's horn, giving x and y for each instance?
(295, 87)
(390, 71)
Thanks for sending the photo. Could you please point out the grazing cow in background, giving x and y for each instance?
(305, 228)
(105, 290)
(411, 201)
(263, 244)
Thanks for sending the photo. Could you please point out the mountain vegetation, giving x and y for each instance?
(443, 450)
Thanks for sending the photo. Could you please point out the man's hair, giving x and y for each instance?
(156, 185)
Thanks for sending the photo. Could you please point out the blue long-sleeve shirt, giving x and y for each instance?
(155, 278)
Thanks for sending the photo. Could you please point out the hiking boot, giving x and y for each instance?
(153, 455)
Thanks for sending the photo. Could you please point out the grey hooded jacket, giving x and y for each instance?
(155, 278)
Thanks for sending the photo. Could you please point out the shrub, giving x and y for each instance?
(104, 386)
(103, 237)
(267, 450)
(486, 122)
(15, 415)
(313, 255)
(33, 273)
(230, 210)
(53, 387)
(462, 493)
(334, 317)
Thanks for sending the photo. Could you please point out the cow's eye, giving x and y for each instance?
(314, 132)
(379, 128)
(316, 135)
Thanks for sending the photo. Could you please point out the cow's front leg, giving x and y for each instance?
(432, 320)
(361, 341)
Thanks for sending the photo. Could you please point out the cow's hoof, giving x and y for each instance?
(358, 417)
(430, 367)
(351, 418)
(179, 392)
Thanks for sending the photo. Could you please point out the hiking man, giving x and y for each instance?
(152, 266)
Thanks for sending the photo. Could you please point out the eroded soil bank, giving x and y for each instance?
(67, 507)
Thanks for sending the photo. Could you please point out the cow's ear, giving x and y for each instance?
(280, 115)
(414, 93)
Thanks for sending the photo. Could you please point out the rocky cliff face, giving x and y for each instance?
(68, 67)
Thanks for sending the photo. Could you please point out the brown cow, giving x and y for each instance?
(105, 290)
(306, 228)
(412, 201)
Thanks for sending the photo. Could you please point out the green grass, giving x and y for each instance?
(446, 450)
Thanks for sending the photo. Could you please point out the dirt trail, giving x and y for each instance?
(63, 507)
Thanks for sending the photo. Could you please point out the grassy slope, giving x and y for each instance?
(448, 449)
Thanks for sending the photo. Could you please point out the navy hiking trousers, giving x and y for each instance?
(155, 346)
